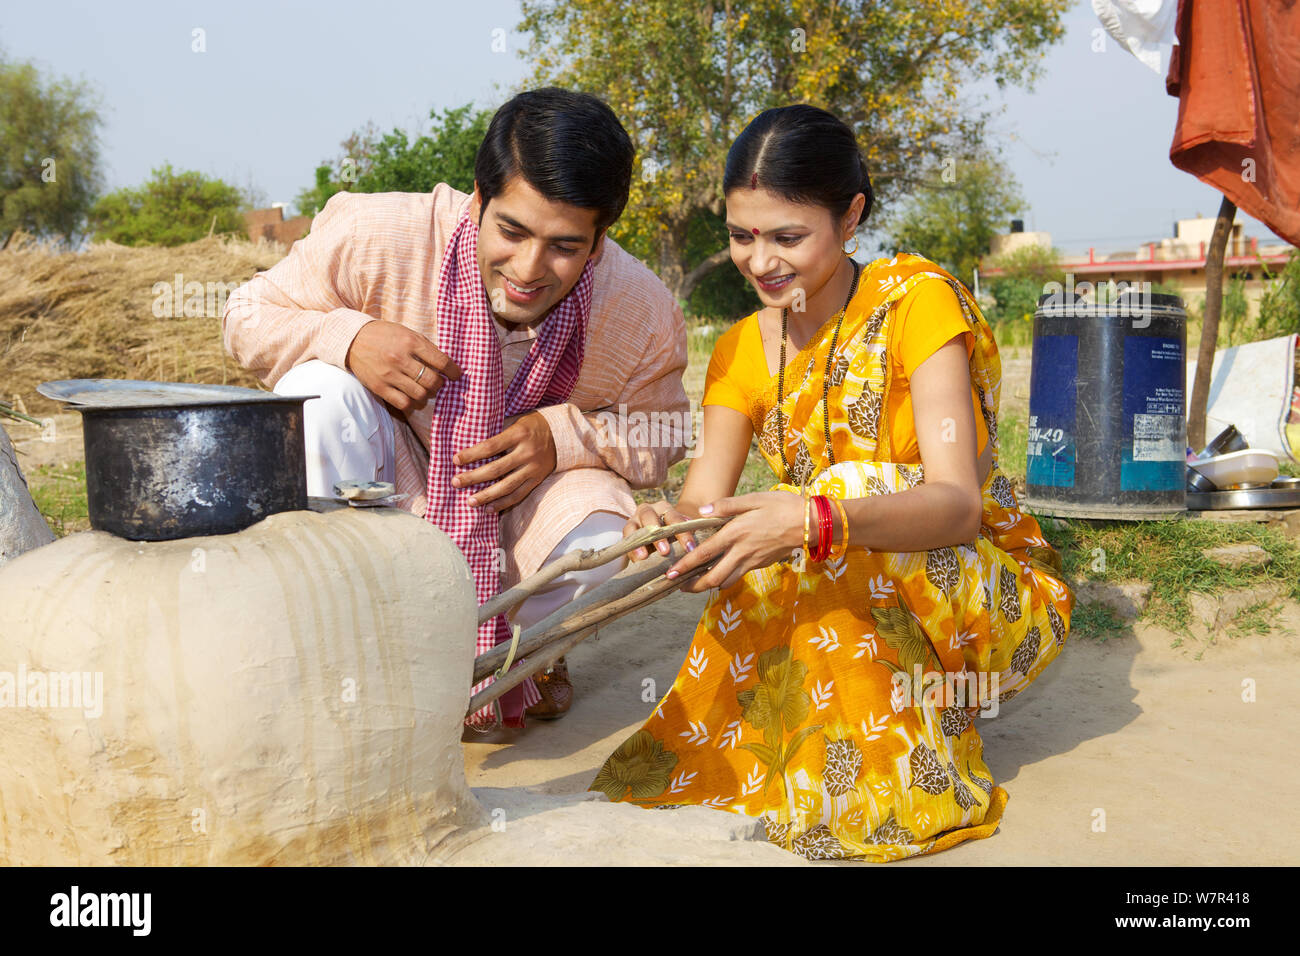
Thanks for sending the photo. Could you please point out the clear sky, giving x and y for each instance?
(280, 84)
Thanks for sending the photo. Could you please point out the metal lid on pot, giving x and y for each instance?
(130, 393)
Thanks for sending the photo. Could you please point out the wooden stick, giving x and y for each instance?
(589, 558)
(569, 635)
(628, 580)
(7, 409)
(1210, 324)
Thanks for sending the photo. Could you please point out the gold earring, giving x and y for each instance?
(850, 252)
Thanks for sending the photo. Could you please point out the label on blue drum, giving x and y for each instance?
(1154, 378)
(1049, 454)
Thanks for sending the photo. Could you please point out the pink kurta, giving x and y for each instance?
(377, 256)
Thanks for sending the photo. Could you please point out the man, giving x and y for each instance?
(388, 310)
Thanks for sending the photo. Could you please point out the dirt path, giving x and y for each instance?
(1157, 747)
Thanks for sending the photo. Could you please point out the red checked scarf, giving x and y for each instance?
(472, 408)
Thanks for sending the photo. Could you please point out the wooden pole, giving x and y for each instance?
(559, 639)
(589, 558)
(629, 580)
(1210, 329)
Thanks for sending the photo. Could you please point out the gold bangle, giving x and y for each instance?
(804, 491)
(839, 551)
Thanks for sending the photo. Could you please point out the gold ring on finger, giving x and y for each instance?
(423, 369)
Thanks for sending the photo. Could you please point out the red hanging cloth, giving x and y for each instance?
(1236, 73)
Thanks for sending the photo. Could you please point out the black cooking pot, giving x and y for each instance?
(167, 460)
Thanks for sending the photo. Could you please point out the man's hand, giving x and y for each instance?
(387, 358)
(529, 456)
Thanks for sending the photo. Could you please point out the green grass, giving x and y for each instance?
(60, 495)
(1258, 618)
(1013, 334)
(1013, 441)
(1167, 555)
(1098, 622)
(699, 343)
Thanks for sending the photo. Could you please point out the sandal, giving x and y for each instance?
(556, 691)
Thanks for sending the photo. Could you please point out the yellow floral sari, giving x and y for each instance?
(840, 703)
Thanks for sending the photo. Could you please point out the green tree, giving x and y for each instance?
(1279, 306)
(685, 77)
(1024, 273)
(953, 220)
(722, 293)
(341, 174)
(169, 209)
(49, 153)
(444, 155)
(1235, 309)
(393, 163)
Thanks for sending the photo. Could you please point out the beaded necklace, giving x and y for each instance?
(826, 379)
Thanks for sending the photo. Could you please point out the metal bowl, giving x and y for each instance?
(1197, 481)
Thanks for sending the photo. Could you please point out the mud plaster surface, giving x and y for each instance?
(281, 695)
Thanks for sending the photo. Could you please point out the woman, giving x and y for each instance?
(839, 701)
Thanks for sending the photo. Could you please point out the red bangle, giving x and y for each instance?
(828, 527)
(825, 526)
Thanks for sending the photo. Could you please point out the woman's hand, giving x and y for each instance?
(767, 526)
(649, 516)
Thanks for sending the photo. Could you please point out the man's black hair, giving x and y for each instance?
(568, 146)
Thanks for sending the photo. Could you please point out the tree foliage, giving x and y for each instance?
(954, 218)
(685, 77)
(340, 174)
(445, 155)
(49, 153)
(1279, 306)
(393, 163)
(1024, 274)
(170, 208)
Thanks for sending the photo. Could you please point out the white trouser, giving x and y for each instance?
(349, 436)
(349, 431)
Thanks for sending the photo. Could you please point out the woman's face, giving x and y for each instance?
(788, 251)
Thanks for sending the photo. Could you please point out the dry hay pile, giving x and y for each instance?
(113, 311)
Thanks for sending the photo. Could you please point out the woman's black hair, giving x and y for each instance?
(568, 146)
(803, 154)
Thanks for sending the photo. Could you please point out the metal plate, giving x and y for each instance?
(1273, 497)
(130, 393)
(392, 501)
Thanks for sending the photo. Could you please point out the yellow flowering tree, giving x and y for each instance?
(685, 77)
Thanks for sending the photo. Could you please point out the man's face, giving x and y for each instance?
(531, 250)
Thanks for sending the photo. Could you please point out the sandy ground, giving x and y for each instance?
(1124, 752)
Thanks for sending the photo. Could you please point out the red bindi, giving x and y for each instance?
(756, 232)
